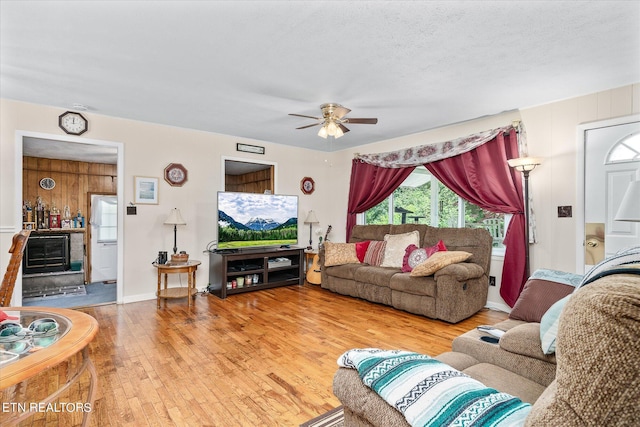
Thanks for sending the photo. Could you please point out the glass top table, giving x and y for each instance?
(43, 350)
(16, 345)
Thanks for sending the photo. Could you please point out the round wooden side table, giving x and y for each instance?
(188, 267)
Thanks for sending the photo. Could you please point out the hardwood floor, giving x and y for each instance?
(265, 358)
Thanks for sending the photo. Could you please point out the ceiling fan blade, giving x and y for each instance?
(308, 126)
(343, 128)
(340, 111)
(307, 117)
(361, 121)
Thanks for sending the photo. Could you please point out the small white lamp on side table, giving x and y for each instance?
(311, 219)
(175, 219)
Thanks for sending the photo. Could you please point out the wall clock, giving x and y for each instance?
(175, 174)
(73, 123)
(307, 185)
(47, 183)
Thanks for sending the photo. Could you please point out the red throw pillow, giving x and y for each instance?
(361, 249)
(414, 255)
(438, 247)
(375, 252)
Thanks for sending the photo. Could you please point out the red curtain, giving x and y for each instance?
(369, 186)
(483, 177)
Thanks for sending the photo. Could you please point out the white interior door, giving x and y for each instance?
(104, 238)
(612, 161)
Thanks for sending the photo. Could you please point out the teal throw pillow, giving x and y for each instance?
(549, 325)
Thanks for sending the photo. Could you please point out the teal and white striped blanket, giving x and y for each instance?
(431, 393)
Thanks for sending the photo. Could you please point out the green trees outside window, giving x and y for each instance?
(423, 199)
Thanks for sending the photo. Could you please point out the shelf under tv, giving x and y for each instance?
(227, 267)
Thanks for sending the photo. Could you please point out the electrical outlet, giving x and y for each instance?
(492, 280)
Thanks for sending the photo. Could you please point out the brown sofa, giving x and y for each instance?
(452, 294)
(593, 380)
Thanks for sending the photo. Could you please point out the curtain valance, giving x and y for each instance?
(428, 153)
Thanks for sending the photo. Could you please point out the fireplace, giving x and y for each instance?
(46, 253)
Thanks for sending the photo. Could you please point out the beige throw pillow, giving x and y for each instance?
(439, 260)
(396, 245)
(340, 253)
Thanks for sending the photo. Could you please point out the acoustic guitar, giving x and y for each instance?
(314, 273)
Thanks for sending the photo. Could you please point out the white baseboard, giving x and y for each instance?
(138, 298)
(145, 297)
(497, 306)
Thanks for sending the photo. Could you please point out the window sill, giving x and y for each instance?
(497, 253)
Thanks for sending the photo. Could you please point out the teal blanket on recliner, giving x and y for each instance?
(430, 393)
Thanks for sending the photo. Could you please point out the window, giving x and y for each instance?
(422, 199)
(626, 150)
(107, 224)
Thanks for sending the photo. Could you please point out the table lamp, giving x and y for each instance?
(175, 219)
(311, 219)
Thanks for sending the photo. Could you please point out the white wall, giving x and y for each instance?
(148, 149)
(551, 130)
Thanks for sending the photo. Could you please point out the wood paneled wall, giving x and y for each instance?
(253, 182)
(74, 180)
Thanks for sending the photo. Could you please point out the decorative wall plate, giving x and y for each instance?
(307, 185)
(47, 183)
(175, 174)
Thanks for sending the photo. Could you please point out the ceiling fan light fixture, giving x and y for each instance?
(332, 128)
(332, 121)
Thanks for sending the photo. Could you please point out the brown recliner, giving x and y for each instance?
(598, 374)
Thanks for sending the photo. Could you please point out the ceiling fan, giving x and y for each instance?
(333, 119)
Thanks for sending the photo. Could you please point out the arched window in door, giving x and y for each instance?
(625, 150)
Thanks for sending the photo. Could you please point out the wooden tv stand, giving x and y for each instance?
(226, 267)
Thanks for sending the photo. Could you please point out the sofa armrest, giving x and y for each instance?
(461, 291)
(323, 273)
(525, 340)
(461, 271)
(363, 403)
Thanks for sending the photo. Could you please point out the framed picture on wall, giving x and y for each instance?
(146, 190)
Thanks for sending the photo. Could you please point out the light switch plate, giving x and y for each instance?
(564, 212)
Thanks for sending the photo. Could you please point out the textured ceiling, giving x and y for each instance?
(239, 68)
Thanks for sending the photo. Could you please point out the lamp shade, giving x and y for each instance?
(523, 164)
(175, 218)
(311, 218)
(630, 207)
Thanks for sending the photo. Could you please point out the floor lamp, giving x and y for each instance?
(525, 165)
(311, 219)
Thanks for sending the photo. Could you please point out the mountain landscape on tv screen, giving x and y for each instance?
(256, 231)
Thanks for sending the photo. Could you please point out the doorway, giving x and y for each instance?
(248, 176)
(103, 238)
(74, 149)
(610, 157)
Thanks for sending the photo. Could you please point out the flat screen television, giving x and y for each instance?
(253, 220)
